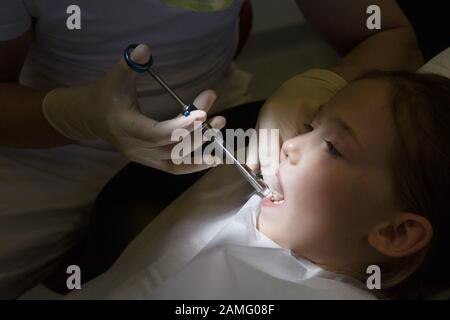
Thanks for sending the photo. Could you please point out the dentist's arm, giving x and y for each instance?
(22, 122)
(343, 24)
(107, 109)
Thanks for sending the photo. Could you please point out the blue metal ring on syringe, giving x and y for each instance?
(147, 67)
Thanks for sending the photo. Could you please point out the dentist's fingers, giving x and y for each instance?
(205, 100)
(189, 123)
(269, 158)
(189, 166)
(217, 122)
(141, 54)
(268, 167)
(196, 140)
(252, 151)
(273, 184)
(161, 133)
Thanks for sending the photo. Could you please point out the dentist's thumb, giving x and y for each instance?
(122, 76)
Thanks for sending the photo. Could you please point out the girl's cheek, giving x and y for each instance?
(314, 170)
(314, 182)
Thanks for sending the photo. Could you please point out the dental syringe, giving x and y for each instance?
(255, 181)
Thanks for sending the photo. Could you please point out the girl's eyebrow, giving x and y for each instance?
(341, 124)
(345, 127)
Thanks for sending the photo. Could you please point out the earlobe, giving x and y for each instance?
(405, 235)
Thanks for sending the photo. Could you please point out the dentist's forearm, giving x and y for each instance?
(22, 122)
(393, 49)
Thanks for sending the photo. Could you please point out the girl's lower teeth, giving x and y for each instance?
(278, 201)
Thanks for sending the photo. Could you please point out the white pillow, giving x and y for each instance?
(440, 64)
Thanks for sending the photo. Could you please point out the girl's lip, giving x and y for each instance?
(266, 202)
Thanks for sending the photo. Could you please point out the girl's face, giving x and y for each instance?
(336, 180)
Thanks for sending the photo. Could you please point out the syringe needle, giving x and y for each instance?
(257, 183)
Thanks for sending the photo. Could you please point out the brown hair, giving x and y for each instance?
(420, 105)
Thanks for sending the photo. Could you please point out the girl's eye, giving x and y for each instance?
(308, 127)
(332, 150)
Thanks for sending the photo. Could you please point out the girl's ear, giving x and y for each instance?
(405, 235)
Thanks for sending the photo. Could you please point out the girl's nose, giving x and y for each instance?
(291, 150)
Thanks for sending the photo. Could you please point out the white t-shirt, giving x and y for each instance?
(45, 194)
(191, 50)
(242, 263)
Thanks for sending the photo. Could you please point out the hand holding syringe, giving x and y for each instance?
(257, 183)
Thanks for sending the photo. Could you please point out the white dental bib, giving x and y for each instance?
(205, 245)
(242, 263)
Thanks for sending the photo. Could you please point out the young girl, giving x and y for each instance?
(368, 183)
(365, 184)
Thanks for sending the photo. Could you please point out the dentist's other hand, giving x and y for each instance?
(288, 109)
(109, 110)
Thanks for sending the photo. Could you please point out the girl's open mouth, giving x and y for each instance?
(278, 202)
(267, 202)
(278, 198)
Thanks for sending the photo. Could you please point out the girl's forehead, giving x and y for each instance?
(366, 92)
(364, 106)
(362, 101)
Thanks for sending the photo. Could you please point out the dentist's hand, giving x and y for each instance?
(288, 109)
(108, 109)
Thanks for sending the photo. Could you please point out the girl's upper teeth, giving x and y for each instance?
(277, 197)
